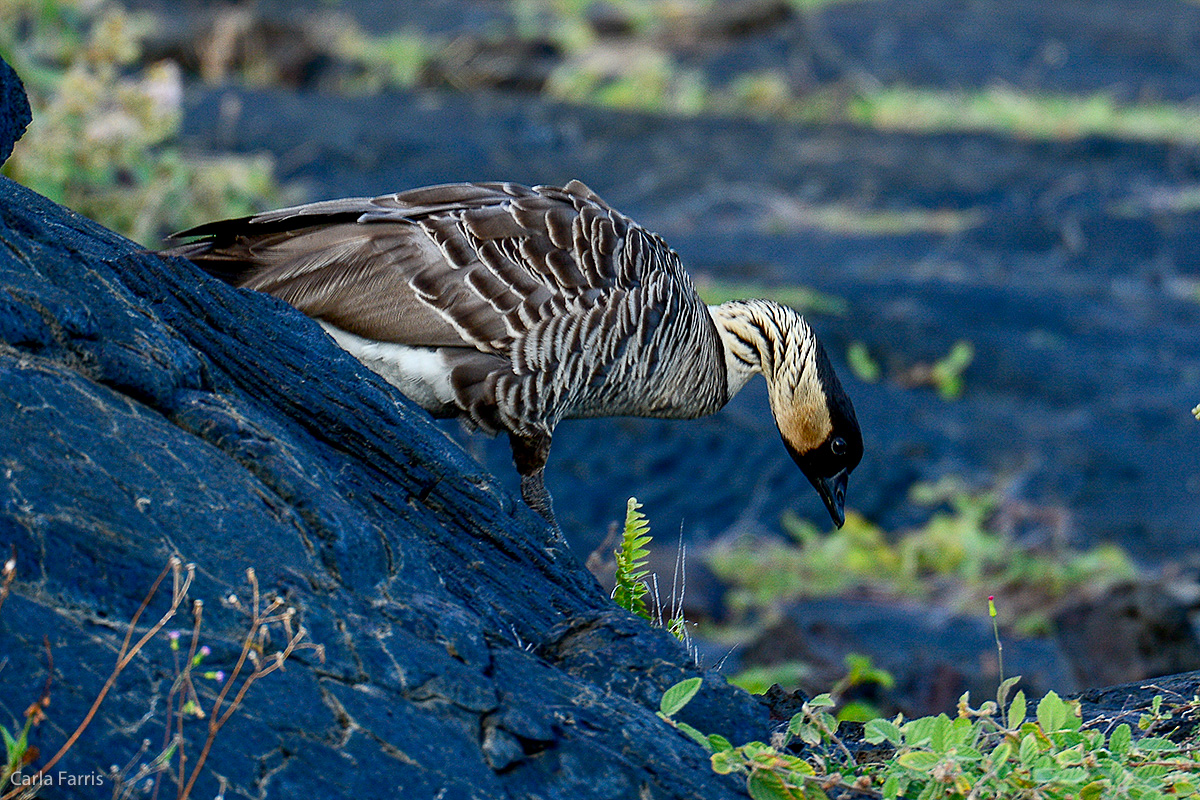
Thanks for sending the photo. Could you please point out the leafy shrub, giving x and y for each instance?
(992, 751)
(102, 140)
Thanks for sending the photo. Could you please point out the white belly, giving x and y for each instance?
(420, 372)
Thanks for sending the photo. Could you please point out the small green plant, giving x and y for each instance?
(860, 671)
(17, 751)
(631, 589)
(634, 581)
(649, 81)
(761, 677)
(992, 751)
(996, 633)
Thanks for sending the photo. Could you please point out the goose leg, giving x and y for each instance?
(533, 491)
(530, 454)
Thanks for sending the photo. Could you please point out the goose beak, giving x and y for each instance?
(833, 492)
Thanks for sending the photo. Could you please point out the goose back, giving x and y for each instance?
(544, 303)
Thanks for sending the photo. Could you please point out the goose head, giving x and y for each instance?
(817, 423)
(812, 411)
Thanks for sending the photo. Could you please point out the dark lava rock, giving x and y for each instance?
(1127, 703)
(14, 110)
(1132, 632)
(148, 411)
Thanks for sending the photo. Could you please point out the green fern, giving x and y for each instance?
(631, 588)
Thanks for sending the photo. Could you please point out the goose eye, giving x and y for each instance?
(838, 446)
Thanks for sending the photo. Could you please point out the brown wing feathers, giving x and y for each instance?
(535, 295)
(481, 255)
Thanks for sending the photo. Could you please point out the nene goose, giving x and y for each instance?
(515, 308)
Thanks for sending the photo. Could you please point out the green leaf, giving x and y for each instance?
(938, 733)
(822, 701)
(719, 743)
(10, 744)
(1004, 688)
(678, 696)
(1071, 775)
(725, 761)
(919, 760)
(1120, 740)
(755, 749)
(1071, 739)
(1029, 749)
(1002, 753)
(861, 363)
(809, 734)
(810, 791)
(766, 785)
(857, 711)
(799, 765)
(1155, 744)
(918, 731)
(960, 732)
(1150, 771)
(1051, 712)
(1183, 787)
(1074, 720)
(827, 721)
(695, 735)
(1016, 712)
(878, 730)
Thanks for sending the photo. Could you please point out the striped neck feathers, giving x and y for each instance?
(761, 336)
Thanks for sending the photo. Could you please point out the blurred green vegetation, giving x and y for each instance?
(946, 373)
(792, 675)
(395, 60)
(104, 130)
(641, 70)
(864, 367)
(960, 556)
(1005, 110)
(759, 678)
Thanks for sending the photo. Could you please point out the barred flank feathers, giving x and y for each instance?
(631, 588)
